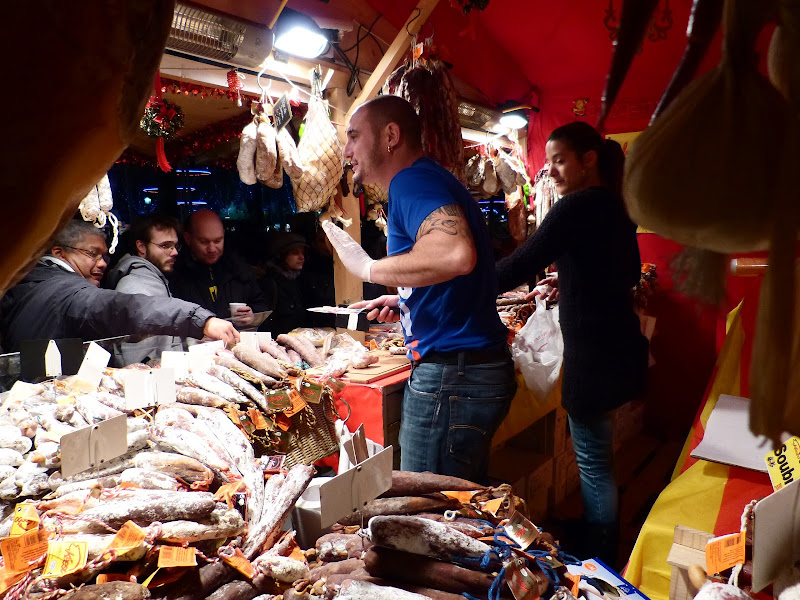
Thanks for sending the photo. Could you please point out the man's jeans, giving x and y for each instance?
(594, 453)
(450, 414)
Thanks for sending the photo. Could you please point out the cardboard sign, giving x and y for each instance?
(91, 370)
(521, 530)
(64, 358)
(348, 492)
(25, 519)
(249, 339)
(174, 556)
(149, 388)
(23, 553)
(178, 362)
(282, 113)
(783, 464)
(94, 445)
(724, 552)
(776, 527)
(201, 356)
(65, 557)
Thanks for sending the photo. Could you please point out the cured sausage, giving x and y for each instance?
(245, 163)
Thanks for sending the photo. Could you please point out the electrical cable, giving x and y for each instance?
(369, 33)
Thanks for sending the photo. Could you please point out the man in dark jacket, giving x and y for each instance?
(204, 274)
(59, 298)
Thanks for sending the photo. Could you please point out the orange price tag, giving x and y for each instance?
(493, 506)
(129, 536)
(175, 556)
(283, 422)
(8, 579)
(724, 552)
(418, 48)
(575, 579)
(239, 562)
(233, 414)
(226, 491)
(463, 497)
(108, 577)
(257, 418)
(372, 345)
(297, 553)
(26, 518)
(298, 403)
(24, 552)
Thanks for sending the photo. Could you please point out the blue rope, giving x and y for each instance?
(494, 590)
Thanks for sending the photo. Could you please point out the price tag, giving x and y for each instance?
(239, 562)
(278, 400)
(91, 371)
(724, 552)
(258, 419)
(109, 577)
(249, 339)
(178, 362)
(311, 392)
(521, 530)
(64, 558)
(175, 556)
(149, 388)
(418, 48)
(8, 579)
(25, 519)
(297, 401)
(52, 360)
(783, 464)
(463, 497)
(226, 491)
(129, 536)
(282, 113)
(493, 505)
(92, 446)
(24, 552)
(521, 580)
(283, 422)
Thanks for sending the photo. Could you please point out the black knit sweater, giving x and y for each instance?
(590, 238)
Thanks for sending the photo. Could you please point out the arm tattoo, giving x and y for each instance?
(448, 219)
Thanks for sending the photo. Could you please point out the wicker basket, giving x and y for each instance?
(311, 443)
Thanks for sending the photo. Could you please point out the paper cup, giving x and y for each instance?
(234, 306)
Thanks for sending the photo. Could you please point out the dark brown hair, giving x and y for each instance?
(581, 138)
(142, 229)
(392, 109)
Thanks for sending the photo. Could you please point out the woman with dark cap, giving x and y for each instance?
(280, 283)
(590, 238)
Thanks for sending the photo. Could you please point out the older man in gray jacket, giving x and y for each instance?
(155, 245)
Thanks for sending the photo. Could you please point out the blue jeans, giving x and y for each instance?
(450, 414)
(594, 453)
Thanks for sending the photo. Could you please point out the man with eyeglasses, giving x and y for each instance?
(60, 298)
(154, 245)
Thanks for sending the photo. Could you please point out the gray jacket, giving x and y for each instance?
(136, 275)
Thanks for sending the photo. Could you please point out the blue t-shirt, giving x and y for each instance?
(459, 314)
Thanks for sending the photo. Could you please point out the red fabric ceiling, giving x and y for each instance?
(552, 53)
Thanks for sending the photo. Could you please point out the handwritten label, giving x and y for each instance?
(65, 557)
(24, 552)
(25, 519)
(282, 113)
(724, 552)
(129, 536)
(521, 530)
(239, 562)
(174, 556)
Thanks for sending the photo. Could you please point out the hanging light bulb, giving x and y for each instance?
(299, 35)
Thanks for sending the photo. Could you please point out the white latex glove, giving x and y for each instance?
(352, 255)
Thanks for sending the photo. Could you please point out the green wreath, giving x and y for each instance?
(161, 118)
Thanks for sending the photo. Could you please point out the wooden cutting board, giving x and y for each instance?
(388, 364)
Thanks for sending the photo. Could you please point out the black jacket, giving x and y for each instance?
(593, 243)
(215, 287)
(52, 302)
(285, 299)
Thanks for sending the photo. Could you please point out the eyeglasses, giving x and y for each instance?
(167, 246)
(93, 254)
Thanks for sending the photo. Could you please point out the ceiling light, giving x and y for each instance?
(514, 119)
(299, 35)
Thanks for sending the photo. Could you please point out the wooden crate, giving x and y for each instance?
(688, 548)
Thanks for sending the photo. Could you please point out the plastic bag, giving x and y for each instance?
(538, 350)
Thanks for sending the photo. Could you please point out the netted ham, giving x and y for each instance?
(320, 155)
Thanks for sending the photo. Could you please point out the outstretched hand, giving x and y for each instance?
(381, 308)
(219, 329)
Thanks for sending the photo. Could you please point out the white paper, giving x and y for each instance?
(264, 336)
(728, 439)
(201, 356)
(352, 321)
(91, 370)
(52, 360)
(177, 361)
(249, 339)
(149, 388)
(776, 529)
(94, 445)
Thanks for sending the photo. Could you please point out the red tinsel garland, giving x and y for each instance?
(175, 86)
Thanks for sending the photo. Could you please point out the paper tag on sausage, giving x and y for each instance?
(724, 552)
(311, 392)
(493, 505)
(521, 530)
(257, 418)
(521, 580)
(463, 497)
(109, 577)
(239, 562)
(65, 557)
(175, 556)
(298, 403)
(283, 422)
(129, 536)
(25, 519)
(24, 552)
(226, 491)
(8, 579)
(278, 400)
(337, 385)
(783, 464)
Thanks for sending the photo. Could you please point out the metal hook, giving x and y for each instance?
(261, 87)
(419, 12)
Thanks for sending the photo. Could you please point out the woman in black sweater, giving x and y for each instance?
(590, 238)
